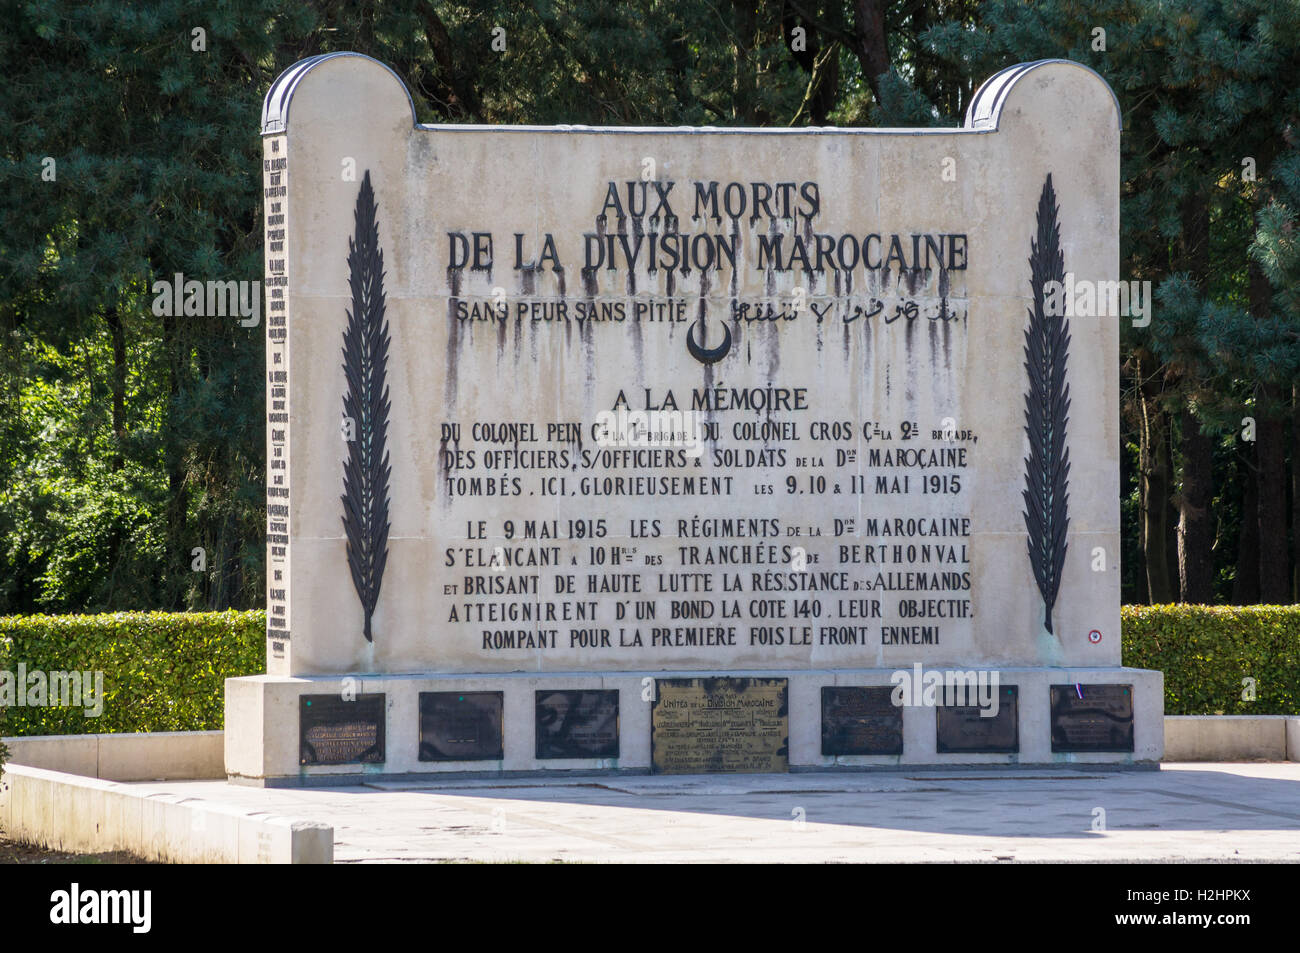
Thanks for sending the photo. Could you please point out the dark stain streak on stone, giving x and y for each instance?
(912, 277)
(638, 349)
(453, 335)
(947, 346)
(769, 282)
(739, 242)
(590, 285)
(444, 474)
(909, 335)
(704, 297)
(868, 339)
(934, 343)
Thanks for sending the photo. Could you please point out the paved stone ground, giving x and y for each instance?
(1183, 812)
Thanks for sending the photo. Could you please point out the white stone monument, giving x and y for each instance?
(648, 449)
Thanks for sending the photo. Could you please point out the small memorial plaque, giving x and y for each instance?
(965, 729)
(722, 725)
(861, 720)
(1092, 717)
(460, 726)
(577, 724)
(334, 731)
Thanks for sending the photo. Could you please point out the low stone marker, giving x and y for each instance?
(662, 445)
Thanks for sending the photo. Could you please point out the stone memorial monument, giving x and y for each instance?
(689, 450)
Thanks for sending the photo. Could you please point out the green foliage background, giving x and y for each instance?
(132, 443)
(166, 671)
(1206, 651)
(163, 671)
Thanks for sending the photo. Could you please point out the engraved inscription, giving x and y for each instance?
(724, 725)
(860, 720)
(963, 729)
(1092, 717)
(577, 724)
(460, 726)
(334, 731)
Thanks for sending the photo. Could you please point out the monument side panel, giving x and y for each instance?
(347, 127)
(1059, 120)
(275, 204)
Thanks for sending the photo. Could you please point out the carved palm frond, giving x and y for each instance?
(1047, 409)
(365, 357)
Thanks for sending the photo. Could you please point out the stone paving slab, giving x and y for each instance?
(1181, 813)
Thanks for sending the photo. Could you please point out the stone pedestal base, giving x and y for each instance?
(262, 722)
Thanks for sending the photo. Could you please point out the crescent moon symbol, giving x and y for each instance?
(710, 355)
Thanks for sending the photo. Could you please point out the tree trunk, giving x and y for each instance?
(819, 59)
(1245, 587)
(461, 96)
(1195, 523)
(1274, 566)
(177, 549)
(114, 319)
(744, 80)
(1155, 510)
(1270, 448)
(1172, 512)
(1295, 487)
(1154, 470)
(870, 45)
(1195, 527)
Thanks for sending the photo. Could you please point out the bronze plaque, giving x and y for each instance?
(1092, 717)
(963, 729)
(720, 725)
(460, 726)
(577, 724)
(334, 731)
(861, 720)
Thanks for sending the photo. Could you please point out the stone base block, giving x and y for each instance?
(69, 812)
(262, 722)
(1232, 737)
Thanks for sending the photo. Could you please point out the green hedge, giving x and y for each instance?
(162, 671)
(1206, 652)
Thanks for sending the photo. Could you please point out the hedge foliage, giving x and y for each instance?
(1207, 651)
(163, 671)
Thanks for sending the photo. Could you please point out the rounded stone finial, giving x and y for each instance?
(275, 107)
(985, 110)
